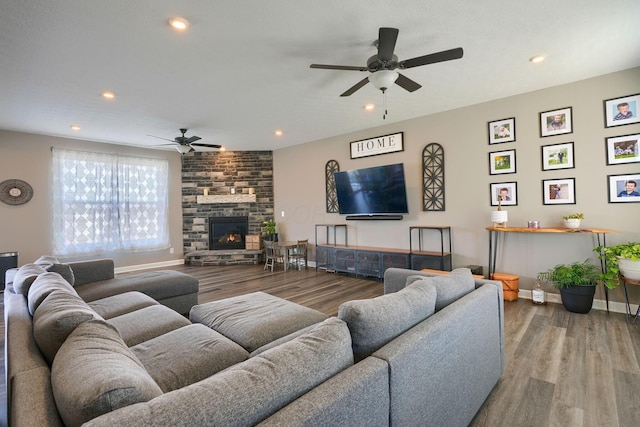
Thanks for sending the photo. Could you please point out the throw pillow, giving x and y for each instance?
(25, 276)
(56, 318)
(94, 373)
(46, 260)
(43, 286)
(449, 287)
(374, 322)
(64, 270)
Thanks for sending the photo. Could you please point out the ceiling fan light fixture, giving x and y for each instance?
(383, 79)
(179, 24)
(183, 149)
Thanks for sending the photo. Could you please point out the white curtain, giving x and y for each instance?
(108, 203)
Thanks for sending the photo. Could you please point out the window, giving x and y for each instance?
(108, 203)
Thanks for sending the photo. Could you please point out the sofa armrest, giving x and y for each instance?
(92, 271)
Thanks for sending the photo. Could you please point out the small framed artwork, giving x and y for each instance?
(623, 149)
(556, 122)
(557, 156)
(505, 192)
(502, 162)
(502, 131)
(559, 191)
(621, 111)
(624, 188)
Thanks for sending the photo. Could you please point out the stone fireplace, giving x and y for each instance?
(228, 232)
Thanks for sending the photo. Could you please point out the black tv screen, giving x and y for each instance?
(370, 191)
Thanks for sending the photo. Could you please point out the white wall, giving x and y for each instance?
(300, 186)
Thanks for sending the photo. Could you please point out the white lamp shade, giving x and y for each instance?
(499, 216)
(183, 149)
(383, 79)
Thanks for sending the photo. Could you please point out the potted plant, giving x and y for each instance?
(620, 260)
(577, 284)
(573, 220)
(270, 230)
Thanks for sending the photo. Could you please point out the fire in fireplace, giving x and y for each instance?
(228, 232)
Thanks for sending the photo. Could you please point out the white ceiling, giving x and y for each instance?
(241, 71)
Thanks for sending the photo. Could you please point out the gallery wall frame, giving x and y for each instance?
(624, 188)
(557, 156)
(559, 191)
(622, 111)
(507, 192)
(556, 122)
(502, 162)
(623, 149)
(503, 130)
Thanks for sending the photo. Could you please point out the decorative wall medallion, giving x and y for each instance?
(332, 198)
(15, 192)
(433, 178)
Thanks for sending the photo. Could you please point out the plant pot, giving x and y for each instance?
(271, 237)
(578, 299)
(572, 223)
(629, 268)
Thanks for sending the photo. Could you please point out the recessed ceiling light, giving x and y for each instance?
(536, 59)
(75, 127)
(369, 107)
(278, 132)
(108, 94)
(179, 24)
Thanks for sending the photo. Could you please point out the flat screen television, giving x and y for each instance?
(372, 193)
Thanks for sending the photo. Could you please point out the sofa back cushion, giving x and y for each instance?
(449, 287)
(25, 276)
(56, 318)
(94, 373)
(64, 270)
(44, 284)
(374, 322)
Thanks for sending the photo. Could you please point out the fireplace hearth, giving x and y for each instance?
(228, 232)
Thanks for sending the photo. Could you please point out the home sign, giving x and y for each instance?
(379, 145)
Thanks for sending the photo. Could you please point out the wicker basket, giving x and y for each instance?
(509, 285)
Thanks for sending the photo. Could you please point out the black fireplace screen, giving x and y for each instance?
(228, 232)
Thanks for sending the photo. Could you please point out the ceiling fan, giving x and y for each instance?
(383, 65)
(185, 145)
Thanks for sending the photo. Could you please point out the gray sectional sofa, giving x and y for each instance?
(428, 352)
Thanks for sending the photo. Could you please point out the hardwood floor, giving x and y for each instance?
(563, 369)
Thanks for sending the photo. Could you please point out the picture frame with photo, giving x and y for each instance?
(506, 191)
(556, 122)
(502, 162)
(623, 149)
(624, 188)
(503, 130)
(557, 156)
(559, 191)
(622, 111)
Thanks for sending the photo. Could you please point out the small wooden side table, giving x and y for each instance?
(626, 281)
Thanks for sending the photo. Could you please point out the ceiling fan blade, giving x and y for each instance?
(387, 43)
(445, 55)
(355, 87)
(206, 145)
(159, 137)
(339, 67)
(191, 139)
(407, 84)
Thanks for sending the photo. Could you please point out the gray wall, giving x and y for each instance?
(463, 134)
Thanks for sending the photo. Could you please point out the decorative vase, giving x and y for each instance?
(578, 299)
(629, 268)
(499, 218)
(572, 223)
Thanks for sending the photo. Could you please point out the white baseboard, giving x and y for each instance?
(138, 267)
(598, 304)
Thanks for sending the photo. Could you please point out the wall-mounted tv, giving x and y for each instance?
(372, 193)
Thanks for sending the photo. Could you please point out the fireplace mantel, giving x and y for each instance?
(227, 198)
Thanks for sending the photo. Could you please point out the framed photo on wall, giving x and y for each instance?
(559, 191)
(623, 149)
(501, 162)
(506, 192)
(502, 131)
(556, 122)
(621, 111)
(624, 188)
(557, 156)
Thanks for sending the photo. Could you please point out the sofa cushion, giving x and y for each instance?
(64, 270)
(56, 318)
(449, 287)
(95, 373)
(374, 322)
(43, 286)
(25, 276)
(147, 323)
(46, 260)
(117, 305)
(187, 355)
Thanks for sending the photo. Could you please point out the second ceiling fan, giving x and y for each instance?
(383, 65)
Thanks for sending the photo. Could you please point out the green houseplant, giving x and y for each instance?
(626, 254)
(573, 220)
(577, 284)
(270, 230)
